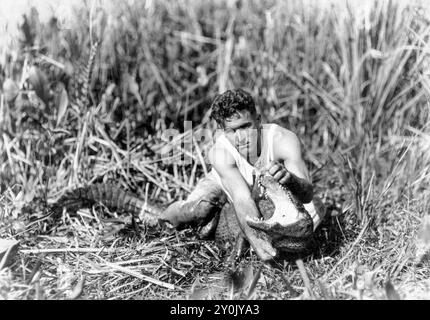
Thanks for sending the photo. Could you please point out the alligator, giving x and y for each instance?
(273, 200)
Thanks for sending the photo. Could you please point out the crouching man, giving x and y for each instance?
(243, 142)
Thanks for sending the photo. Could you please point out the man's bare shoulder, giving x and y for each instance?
(287, 144)
(287, 136)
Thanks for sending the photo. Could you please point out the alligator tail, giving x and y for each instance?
(111, 196)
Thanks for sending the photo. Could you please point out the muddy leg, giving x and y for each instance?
(200, 207)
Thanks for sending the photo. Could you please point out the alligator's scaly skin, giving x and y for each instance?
(113, 197)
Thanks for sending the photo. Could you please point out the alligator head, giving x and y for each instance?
(283, 216)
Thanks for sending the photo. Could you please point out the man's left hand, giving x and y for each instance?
(279, 172)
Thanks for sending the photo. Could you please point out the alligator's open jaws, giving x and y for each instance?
(289, 217)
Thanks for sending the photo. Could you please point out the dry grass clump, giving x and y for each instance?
(353, 86)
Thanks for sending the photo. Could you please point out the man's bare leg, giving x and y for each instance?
(200, 207)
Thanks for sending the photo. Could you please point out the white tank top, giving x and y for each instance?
(245, 168)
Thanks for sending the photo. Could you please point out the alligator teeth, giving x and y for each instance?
(257, 219)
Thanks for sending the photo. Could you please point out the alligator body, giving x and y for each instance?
(276, 203)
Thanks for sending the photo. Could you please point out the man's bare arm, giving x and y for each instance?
(243, 203)
(296, 177)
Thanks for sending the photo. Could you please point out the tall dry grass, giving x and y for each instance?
(353, 86)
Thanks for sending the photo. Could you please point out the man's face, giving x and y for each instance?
(241, 131)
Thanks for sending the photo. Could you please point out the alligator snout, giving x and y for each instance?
(289, 217)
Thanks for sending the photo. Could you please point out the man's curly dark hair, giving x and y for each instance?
(225, 105)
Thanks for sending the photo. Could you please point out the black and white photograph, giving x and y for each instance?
(222, 150)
